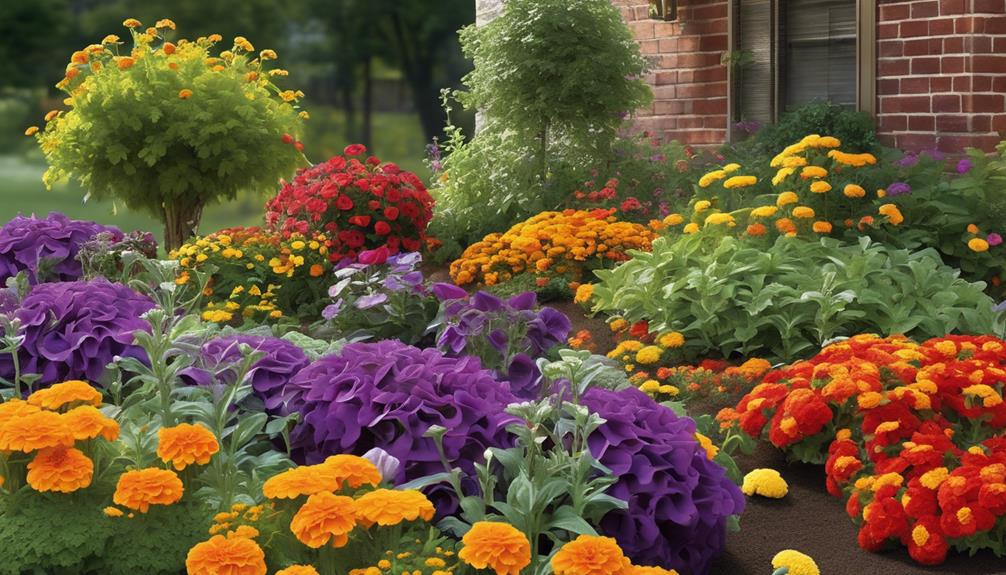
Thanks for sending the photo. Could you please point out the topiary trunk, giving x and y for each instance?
(180, 224)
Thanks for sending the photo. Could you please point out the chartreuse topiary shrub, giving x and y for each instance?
(167, 127)
(729, 296)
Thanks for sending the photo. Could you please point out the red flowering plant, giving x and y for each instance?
(914, 433)
(358, 204)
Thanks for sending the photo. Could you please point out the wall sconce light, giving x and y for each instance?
(664, 9)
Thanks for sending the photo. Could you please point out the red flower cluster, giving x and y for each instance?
(360, 205)
(916, 435)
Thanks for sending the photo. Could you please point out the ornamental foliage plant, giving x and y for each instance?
(729, 296)
(168, 126)
(910, 435)
(554, 80)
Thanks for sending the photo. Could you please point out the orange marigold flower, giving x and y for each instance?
(298, 570)
(112, 511)
(756, 230)
(79, 57)
(168, 48)
(86, 422)
(35, 431)
(61, 394)
(303, 480)
(60, 469)
(50, 115)
(353, 470)
(590, 555)
(391, 507)
(325, 516)
(131, 23)
(822, 227)
(140, 488)
(165, 23)
(316, 270)
(497, 546)
(232, 555)
(186, 444)
(15, 408)
(124, 62)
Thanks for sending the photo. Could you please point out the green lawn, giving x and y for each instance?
(397, 138)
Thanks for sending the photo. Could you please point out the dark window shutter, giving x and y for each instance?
(819, 52)
(755, 87)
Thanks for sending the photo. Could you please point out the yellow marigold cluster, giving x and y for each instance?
(765, 482)
(253, 266)
(795, 562)
(551, 244)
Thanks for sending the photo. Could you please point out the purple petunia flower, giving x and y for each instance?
(280, 360)
(994, 239)
(964, 166)
(908, 160)
(72, 330)
(50, 244)
(387, 395)
(679, 500)
(899, 189)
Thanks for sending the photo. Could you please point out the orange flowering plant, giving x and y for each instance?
(168, 125)
(336, 517)
(910, 434)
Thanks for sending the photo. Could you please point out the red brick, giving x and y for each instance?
(981, 83)
(962, 83)
(941, 27)
(692, 90)
(669, 92)
(887, 30)
(951, 123)
(913, 28)
(996, 25)
(888, 86)
(667, 45)
(915, 85)
(987, 63)
(915, 48)
(689, 43)
(999, 84)
(715, 74)
(893, 67)
(662, 107)
(923, 123)
(990, 103)
(941, 84)
(925, 9)
(981, 44)
(642, 29)
(999, 124)
(663, 29)
(916, 142)
(950, 65)
(946, 103)
(713, 43)
(893, 12)
(951, 7)
(907, 104)
(964, 25)
(1000, 45)
(989, 6)
(663, 78)
(889, 123)
(954, 144)
(690, 122)
(709, 12)
(925, 65)
(710, 106)
(981, 123)
(649, 47)
(892, 48)
(953, 45)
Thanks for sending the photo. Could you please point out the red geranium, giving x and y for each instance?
(360, 204)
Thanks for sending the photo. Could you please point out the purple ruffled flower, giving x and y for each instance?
(994, 239)
(280, 360)
(387, 395)
(30, 243)
(964, 166)
(72, 330)
(898, 189)
(679, 500)
(908, 160)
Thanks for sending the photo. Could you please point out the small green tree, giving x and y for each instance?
(168, 127)
(555, 80)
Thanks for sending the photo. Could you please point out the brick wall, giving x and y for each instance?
(689, 83)
(941, 73)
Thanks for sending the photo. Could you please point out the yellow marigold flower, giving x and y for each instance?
(794, 162)
(933, 478)
(822, 227)
(978, 245)
(649, 386)
(303, 480)
(165, 23)
(702, 205)
(140, 488)
(989, 396)
(217, 316)
(267, 54)
(185, 93)
(820, 187)
(583, 293)
(854, 191)
(86, 422)
(731, 168)
(231, 555)
(764, 211)
(719, 219)
(668, 390)
(648, 355)
(590, 555)
(65, 393)
(325, 516)
(33, 431)
(869, 400)
(131, 23)
(673, 220)
(496, 546)
(803, 212)
(31, 131)
(892, 212)
(828, 142)
(110, 39)
(691, 228)
(671, 339)
(707, 180)
(618, 324)
(298, 570)
(781, 175)
(797, 563)
(765, 482)
(352, 470)
(740, 182)
(186, 444)
(707, 444)
(786, 198)
(391, 507)
(813, 172)
(288, 95)
(112, 512)
(60, 469)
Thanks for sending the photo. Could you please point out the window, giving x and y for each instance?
(786, 53)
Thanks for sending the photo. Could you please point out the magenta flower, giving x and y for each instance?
(994, 239)
(48, 245)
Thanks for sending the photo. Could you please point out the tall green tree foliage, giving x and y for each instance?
(555, 80)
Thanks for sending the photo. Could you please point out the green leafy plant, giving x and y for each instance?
(169, 127)
(731, 297)
(855, 129)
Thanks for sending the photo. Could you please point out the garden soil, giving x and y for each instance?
(808, 519)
